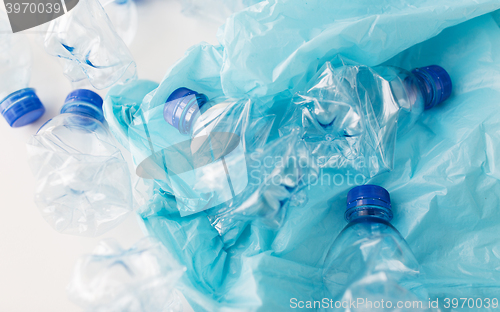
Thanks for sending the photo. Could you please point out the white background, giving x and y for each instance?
(36, 262)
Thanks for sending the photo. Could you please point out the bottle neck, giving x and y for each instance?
(83, 109)
(85, 103)
(193, 110)
(434, 84)
(182, 108)
(368, 211)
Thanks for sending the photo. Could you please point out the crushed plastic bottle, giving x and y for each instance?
(88, 46)
(140, 279)
(215, 160)
(350, 114)
(19, 104)
(279, 174)
(197, 152)
(123, 16)
(369, 260)
(83, 183)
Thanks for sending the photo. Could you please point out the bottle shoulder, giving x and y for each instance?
(75, 134)
(369, 227)
(73, 123)
(208, 115)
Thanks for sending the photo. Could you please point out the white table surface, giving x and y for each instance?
(36, 262)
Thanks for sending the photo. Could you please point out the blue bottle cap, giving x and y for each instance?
(181, 106)
(368, 200)
(435, 84)
(21, 108)
(84, 102)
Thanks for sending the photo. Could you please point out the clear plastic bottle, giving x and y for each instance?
(19, 105)
(139, 279)
(83, 183)
(123, 16)
(213, 168)
(369, 259)
(350, 115)
(87, 44)
(415, 91)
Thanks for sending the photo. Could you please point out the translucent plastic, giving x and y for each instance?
(15, 59)
(215, 10)
(89, 47)
(350, 114)
(140, 279)
(82, 181)
(279, 174)
(123, 16)
(370, 261)
(445, 174)
(205, 167)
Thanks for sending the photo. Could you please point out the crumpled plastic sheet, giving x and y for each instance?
(90, 50)
(140, 279)
(445, 177)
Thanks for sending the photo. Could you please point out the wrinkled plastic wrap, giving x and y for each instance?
(140, 279)
(444, 180)
(89, 48)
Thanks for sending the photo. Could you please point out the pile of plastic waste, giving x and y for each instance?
(249, 157)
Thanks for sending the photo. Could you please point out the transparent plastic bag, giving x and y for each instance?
(441, 165)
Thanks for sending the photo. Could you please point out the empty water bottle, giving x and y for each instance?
(140, 279)
(85, 41)
(123, 16)
(82, 181)
(350, 114)
(415, 91)
(208, 167)
(370, 261)
(19, 105)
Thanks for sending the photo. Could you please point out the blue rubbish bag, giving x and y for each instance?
(445, 177)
